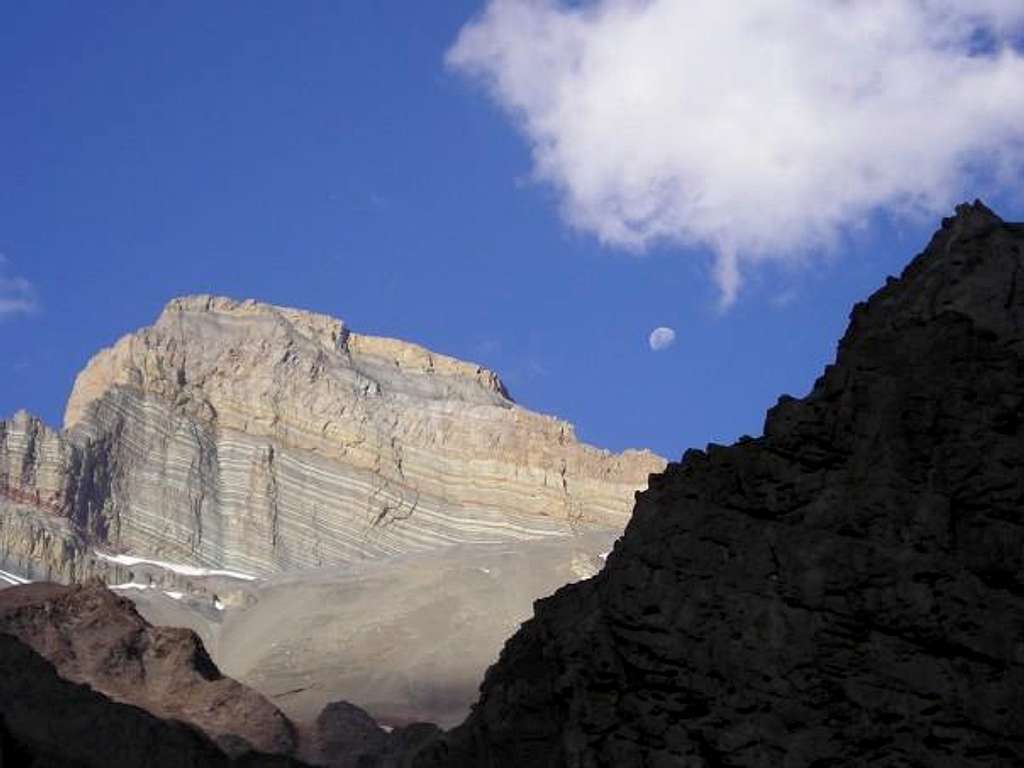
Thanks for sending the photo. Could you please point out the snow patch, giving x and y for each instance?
(11, 578)
(184, 570)
(135, 585)
(132, 585)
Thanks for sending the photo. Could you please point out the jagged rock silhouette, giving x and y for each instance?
(847, 589)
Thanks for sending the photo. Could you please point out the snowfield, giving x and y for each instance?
(184, 570)
(135, 585)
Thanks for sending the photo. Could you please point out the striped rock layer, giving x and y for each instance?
(261, 439)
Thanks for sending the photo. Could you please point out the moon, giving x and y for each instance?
(661, 338)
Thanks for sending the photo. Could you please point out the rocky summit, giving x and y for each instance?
(254, 439)
(847, 589)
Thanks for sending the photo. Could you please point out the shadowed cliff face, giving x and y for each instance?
(847, 589)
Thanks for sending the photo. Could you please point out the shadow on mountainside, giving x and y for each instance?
(847, 589)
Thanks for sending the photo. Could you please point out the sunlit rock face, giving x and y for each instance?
(51, 499)
(847, 589)
(245, 436)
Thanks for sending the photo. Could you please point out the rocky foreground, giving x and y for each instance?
(47, 721)
(93, 636)
(847, 589)
(85, 680)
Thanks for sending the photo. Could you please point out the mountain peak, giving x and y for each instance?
(243, 436)
(972, 214)
(847, 589)
(333, 334)
(970, 267)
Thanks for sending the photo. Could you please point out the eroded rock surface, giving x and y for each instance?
(344, 736)
(847, 589)
(47, 721)
(93, 636)
(50, 503)
(261, 439)
(71, 655)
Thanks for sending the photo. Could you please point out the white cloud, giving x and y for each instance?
(661, 338)
(17, 295)
(759, 128)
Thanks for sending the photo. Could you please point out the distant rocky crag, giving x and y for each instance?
(846, 590)
(243, 436)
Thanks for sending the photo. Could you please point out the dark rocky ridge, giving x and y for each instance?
(345, 736)
(46, 721)
(95, 637)
(847, 589)
(153, 690)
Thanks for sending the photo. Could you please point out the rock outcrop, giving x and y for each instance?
(47, 721)
(46, 503)
(71, 655)
(92, 636)
(249, 437)
(344, 736)
(847, 589)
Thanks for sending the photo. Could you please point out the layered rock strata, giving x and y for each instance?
(847, 589)
(47, 503)
(261, 439)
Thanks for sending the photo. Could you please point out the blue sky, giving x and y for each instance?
(326, 156)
